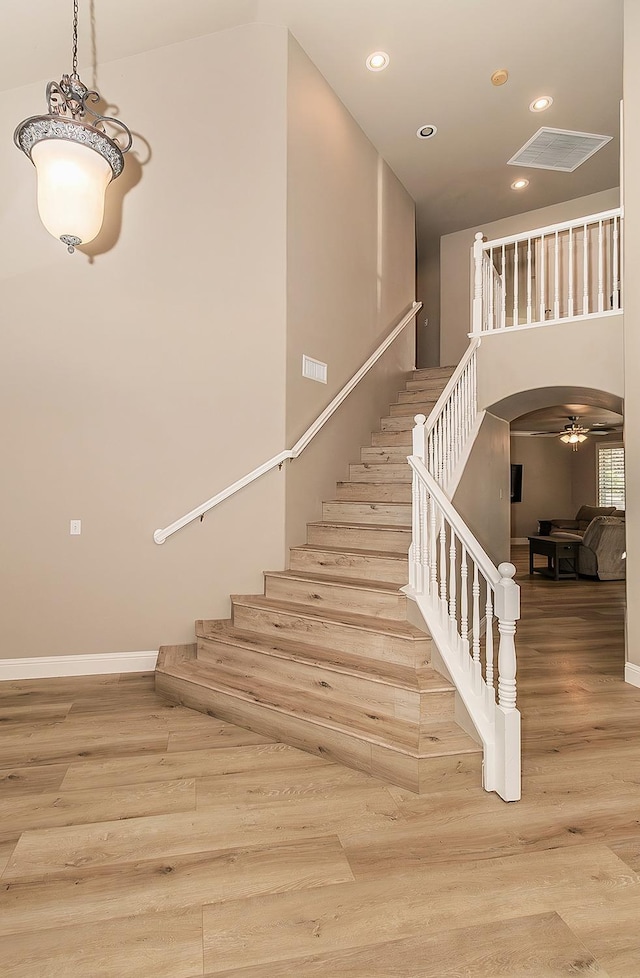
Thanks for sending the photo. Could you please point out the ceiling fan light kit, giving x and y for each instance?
(574, 434)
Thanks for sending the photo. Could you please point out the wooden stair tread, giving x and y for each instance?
(441, 739)
(337, 524)
(353, 583)
(353, 551)
(383, 626)
(374, 670)
(354, 482)
(423, 373)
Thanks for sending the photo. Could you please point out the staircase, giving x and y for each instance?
(325, 659)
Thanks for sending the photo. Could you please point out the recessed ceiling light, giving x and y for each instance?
(499, 77)
(520, 184)
(426, 132)
(377, 61)
(541, 103)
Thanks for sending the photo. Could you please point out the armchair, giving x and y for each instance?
(602, 553)
(601, 533)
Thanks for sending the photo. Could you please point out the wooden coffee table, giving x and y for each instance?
(555, 549)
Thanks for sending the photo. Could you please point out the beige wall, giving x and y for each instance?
(547, 483)
(141, 381)
(456, 263)
(482, 496)
(632, 317)
(137, 384)
(585, 355)
(350, 277)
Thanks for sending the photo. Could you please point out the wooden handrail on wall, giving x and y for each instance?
(161, 535)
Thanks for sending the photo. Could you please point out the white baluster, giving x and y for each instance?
(585, 272)
(615, 284)
(414, 548)
(464, 604)
(516, 287)
(556, 285)
(491, 290)
(571, 274)
(453, 619)
(422, 530)
(474, 387)
(600, 267)
(529, 280)
(503, 290)
(443, 570)
(478, 254)
(488, 645)
(543, 286)
(475, 616)
(433, 561)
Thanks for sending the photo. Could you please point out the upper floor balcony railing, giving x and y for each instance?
(549, 275)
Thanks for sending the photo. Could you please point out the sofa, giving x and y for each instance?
(601, 532)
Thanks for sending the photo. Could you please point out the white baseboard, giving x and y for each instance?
(53, 666)
(517, 541)
(632, 674)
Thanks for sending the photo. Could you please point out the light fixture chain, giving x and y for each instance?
(75, 38)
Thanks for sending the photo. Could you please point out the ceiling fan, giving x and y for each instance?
(574, 433)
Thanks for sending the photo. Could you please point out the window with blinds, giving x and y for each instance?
(611, 476)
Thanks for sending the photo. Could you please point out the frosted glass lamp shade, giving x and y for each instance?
(72, 182)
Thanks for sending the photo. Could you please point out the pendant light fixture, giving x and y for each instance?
(75, 159)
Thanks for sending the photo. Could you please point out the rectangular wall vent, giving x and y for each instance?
(558, 149)
(314, 369)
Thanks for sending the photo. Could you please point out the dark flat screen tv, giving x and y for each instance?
(516, 483)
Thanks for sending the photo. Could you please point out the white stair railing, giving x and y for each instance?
(463, 599)
(451, 425)
(552, 274)
(161, 535)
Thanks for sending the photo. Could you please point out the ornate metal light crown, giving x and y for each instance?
(70, 117)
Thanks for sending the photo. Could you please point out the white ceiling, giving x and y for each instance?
(442, 55)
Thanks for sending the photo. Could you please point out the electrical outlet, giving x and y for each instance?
(75, 527)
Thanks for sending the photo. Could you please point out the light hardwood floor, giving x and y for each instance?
(142, 840)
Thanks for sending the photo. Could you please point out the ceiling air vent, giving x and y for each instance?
(558, 149)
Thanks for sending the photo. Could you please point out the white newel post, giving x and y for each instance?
(507, 610)
(478, 256)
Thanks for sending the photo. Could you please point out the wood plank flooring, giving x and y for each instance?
(143, 840)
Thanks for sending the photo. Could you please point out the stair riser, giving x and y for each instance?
(364, 568)
(420, 396)
(383, 472)
(331, 635)
(410, 410)
(389, 514)
(338, 597)
(396, 454)
(387, 712)
(386, 492)
(392, 439)
(359, 538)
